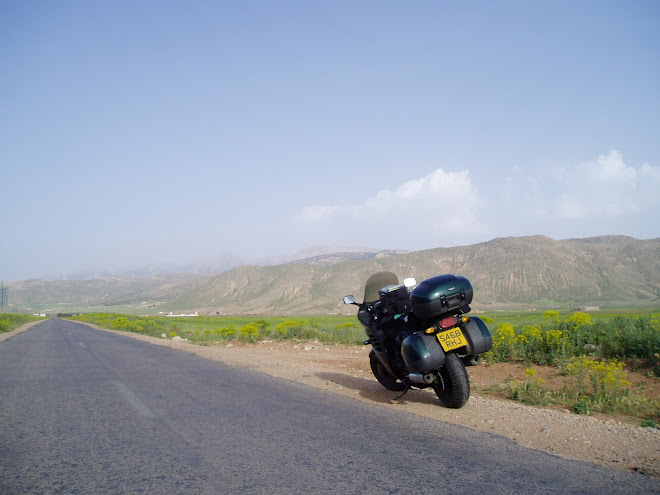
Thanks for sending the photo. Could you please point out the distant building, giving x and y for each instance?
(588, 309)
(182, 315)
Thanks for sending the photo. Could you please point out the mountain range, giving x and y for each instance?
(506, 273)
(204, 266)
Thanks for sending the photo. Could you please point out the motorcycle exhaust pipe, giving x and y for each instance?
(425, 379)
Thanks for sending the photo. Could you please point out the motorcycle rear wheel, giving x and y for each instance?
(385, 378)
(454, 388)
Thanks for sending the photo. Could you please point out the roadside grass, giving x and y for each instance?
(207, 330)
(11, 321)
(590, 348)
(537, 317)
(555, 339)
(592, 386)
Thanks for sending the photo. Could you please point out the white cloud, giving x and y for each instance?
(596, 197)
(605, 187)
(446, 208)
(422, 211)
(649, 186)
(316, 213)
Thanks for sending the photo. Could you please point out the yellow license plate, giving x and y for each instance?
(452, 339)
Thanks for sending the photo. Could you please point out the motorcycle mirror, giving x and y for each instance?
(410, 282)
(349, 300)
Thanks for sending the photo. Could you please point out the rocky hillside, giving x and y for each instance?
(513, 272)
(506, 273)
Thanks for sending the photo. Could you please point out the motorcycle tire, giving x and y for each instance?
(454, 388)
(386, 379)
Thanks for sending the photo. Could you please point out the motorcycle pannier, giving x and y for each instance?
(478, 336)
(422, 352)
(441, 295)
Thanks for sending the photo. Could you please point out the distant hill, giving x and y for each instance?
(509, 272)
(134, 295)
(217, 264)
(335, 258)
(513, 272)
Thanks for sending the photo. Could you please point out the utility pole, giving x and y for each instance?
(3, 297)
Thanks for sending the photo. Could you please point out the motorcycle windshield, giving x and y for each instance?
(376, 282)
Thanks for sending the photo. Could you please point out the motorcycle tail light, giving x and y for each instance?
(446, 323)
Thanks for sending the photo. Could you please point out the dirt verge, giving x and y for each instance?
(16, 331)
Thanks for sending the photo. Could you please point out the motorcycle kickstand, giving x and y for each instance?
(405, 391)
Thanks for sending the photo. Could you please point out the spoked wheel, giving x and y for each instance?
(386, 379)
(454, 388)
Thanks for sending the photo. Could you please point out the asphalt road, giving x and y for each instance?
(85, 411)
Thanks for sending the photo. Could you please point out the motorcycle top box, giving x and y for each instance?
(441, 295)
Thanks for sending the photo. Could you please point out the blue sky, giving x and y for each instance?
(164, 132)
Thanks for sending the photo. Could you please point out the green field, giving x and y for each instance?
(548, 337)
(552, 337)
(11, 321)
(210, 329)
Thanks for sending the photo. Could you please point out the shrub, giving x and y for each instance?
(607, 388)
(503, 341)
(578, 320)
(551, 315)
(120, 323)
(530, 391)
(555, 341)
(529, 344)
(250, 333)
(347, 332)
(554, 348)
(581, 406)
(264, 328)
(229, 332)
(298, 329)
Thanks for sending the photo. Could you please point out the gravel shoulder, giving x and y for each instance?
(344, 370)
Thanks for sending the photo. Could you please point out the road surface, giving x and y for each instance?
(87, 411)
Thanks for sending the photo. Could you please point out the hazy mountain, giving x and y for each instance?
(513, 272)
(101, 294)
(334, 258)
(217, 264)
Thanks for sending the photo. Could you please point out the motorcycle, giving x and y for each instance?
(420, 336)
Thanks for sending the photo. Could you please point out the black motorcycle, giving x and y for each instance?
(420, 336)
